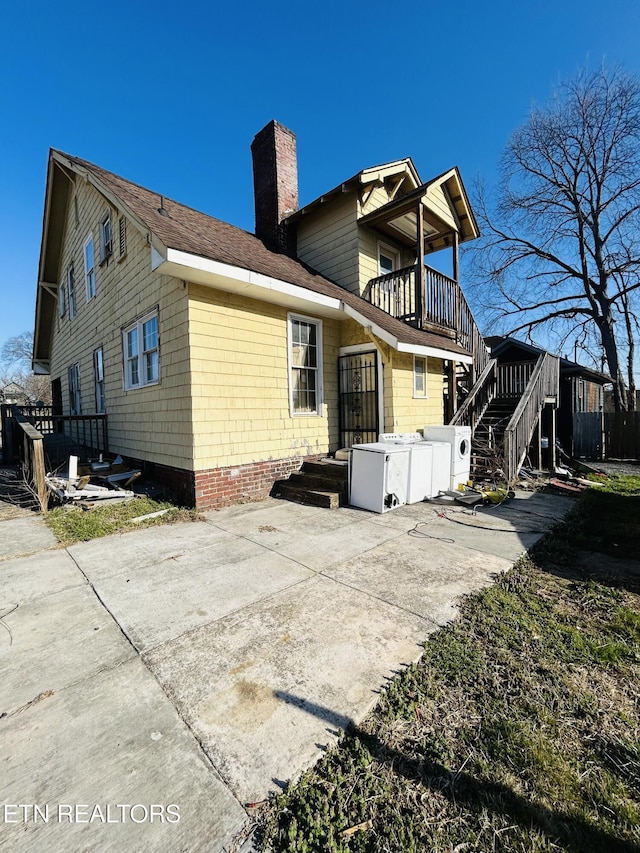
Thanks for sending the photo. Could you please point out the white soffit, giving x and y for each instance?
(199, 270)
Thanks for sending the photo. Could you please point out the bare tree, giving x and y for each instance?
(15, 364)
(561, 250)
(18, 350)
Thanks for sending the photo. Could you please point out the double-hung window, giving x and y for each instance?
(98, 376)
(141, 347)
(71, 291)
(305, 365)
(89, 268)
(75, 406)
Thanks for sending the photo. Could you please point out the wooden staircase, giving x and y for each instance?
(503, 410)
(322, 483)
(487, 445)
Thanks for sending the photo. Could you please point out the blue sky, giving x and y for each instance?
(171, 94)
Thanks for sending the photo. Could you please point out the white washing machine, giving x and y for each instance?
(378, 476)
(459, 437)
(420, 485)
(440, 466)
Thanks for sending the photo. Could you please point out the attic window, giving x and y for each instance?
(106, 242)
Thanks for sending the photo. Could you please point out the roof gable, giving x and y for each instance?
(171, 226)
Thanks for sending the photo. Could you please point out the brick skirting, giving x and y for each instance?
(218, 487)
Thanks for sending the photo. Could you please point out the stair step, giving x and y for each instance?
(301, 494)
(318, 482)
(333, 470)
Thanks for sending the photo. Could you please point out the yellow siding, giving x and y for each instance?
(437, 201)
(241, 384)
(328, 241)
(368, 248)
(125, 290)
(402, 412)
(409, 414)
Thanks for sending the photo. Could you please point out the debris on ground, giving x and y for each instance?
(96, 480)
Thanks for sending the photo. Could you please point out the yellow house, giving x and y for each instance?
(225, 359)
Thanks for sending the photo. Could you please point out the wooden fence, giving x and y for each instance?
(608, 435)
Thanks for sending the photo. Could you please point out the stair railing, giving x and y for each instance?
(482, 393)
(544, 383)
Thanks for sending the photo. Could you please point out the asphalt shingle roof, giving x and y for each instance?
(188, 230)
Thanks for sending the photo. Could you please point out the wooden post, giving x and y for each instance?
(455, 267)
(420, 282)
(452, 382)
(39, 473)
(552, 438)
(456, 277)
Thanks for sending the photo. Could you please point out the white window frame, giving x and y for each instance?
(301, 318)
(417, 394)
(106, 237)
(98, 380)
(391, 253)
(89, 272)
(71, 291)
(75, 398)
(140, 354)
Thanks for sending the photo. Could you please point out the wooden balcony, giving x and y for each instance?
(439, 306)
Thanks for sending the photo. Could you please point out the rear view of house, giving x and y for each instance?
(225, 359)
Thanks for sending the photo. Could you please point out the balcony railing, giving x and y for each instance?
(442, 308)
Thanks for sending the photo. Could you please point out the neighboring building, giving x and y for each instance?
(14, 394)
(225, 359)
(581, 389)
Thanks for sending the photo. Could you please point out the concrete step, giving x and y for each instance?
(302, 494)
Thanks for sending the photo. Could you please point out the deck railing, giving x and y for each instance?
(544, 383)
(443, 307)
(31, 455)
(83, 435)
(513, 378)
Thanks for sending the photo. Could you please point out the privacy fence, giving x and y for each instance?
(606, 435)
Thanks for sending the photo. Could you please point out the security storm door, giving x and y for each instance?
(359, 406)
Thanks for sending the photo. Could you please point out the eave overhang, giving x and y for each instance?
(398, 218)
(254, 285)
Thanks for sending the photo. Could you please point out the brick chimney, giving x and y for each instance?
(275, 185)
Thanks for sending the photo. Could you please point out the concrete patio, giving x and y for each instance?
(203, 665)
